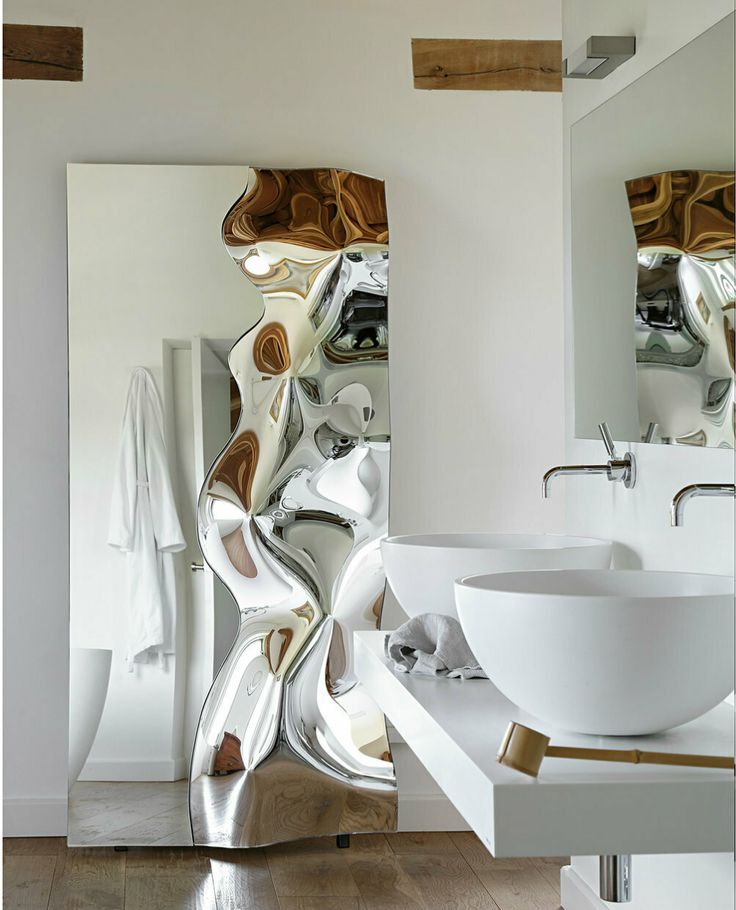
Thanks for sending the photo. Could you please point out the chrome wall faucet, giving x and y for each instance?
(683, 496)
(616, 469)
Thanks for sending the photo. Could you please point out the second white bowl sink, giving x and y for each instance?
(604, 652)
(422, 568)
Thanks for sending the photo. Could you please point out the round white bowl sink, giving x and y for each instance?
(604, 652)
(422, 568)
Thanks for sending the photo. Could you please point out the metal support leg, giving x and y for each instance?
(615, 878)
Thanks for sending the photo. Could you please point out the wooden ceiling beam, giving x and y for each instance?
(49, 52)
(487, 65)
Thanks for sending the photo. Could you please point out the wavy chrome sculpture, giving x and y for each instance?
(291, 516)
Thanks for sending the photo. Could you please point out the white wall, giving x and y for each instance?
(474, 195)
(638, 520)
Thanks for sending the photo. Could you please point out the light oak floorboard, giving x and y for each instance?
(242, 880)
(314, 875)
(163, 879)
(322, 903)
(446, 882)
(383, 884)
(27, 881)
(550, 867)
(515, 884)
(435, 842)
(33, 846)
(472, 849)
(87, 879)
(377, 872)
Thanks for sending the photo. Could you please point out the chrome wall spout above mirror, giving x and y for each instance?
(291, 516)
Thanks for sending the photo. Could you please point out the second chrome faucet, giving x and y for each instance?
(622, 470)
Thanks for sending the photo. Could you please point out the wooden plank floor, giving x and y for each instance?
(423, 871)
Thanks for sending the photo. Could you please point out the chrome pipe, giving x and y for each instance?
(570, 469)
(692, 490)
(607, 438)
(651, 432)
(615, 878)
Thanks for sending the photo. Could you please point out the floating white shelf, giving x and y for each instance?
(574, 808)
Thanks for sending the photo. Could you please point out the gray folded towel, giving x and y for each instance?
(432, 645)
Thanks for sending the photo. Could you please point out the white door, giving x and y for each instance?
(211, 398)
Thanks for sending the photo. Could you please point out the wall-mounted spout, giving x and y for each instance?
(570, 469)
(616, 469)
(683, 496)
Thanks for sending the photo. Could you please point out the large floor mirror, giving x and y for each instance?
(238, 413)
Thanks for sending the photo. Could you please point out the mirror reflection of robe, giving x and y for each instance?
(144, 523)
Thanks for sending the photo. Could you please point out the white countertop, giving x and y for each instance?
(574, 807)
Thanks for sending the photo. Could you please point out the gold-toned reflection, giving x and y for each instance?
(685, 302)
(291, 517)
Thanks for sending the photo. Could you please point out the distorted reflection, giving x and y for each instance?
(685, 299)
(291, 516)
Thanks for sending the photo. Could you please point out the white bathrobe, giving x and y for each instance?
(144, 524)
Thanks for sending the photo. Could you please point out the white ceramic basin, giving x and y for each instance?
(422, 568)
(609, 653)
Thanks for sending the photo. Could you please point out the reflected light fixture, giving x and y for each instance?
(255, 264)
(599, 56)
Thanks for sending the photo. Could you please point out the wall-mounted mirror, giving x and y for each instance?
(652, 225)
(263, 384)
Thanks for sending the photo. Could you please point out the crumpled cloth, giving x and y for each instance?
(432, 645)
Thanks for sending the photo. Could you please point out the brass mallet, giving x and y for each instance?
(524, 749)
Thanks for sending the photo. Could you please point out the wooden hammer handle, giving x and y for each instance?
(637, 757)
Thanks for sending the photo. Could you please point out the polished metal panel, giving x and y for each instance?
(291, 516)
(693, 490)
(684, 309)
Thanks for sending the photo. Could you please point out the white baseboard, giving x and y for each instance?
(28, 817)
(576, 895)
(429, 812)
(134, 769)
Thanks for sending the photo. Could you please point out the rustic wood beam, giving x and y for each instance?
(485, 65)
(43, 52)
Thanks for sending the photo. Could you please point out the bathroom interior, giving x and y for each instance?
(317, 601)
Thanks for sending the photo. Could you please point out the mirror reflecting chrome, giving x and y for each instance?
(685, 306)
(291, 516)
(652, 246)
